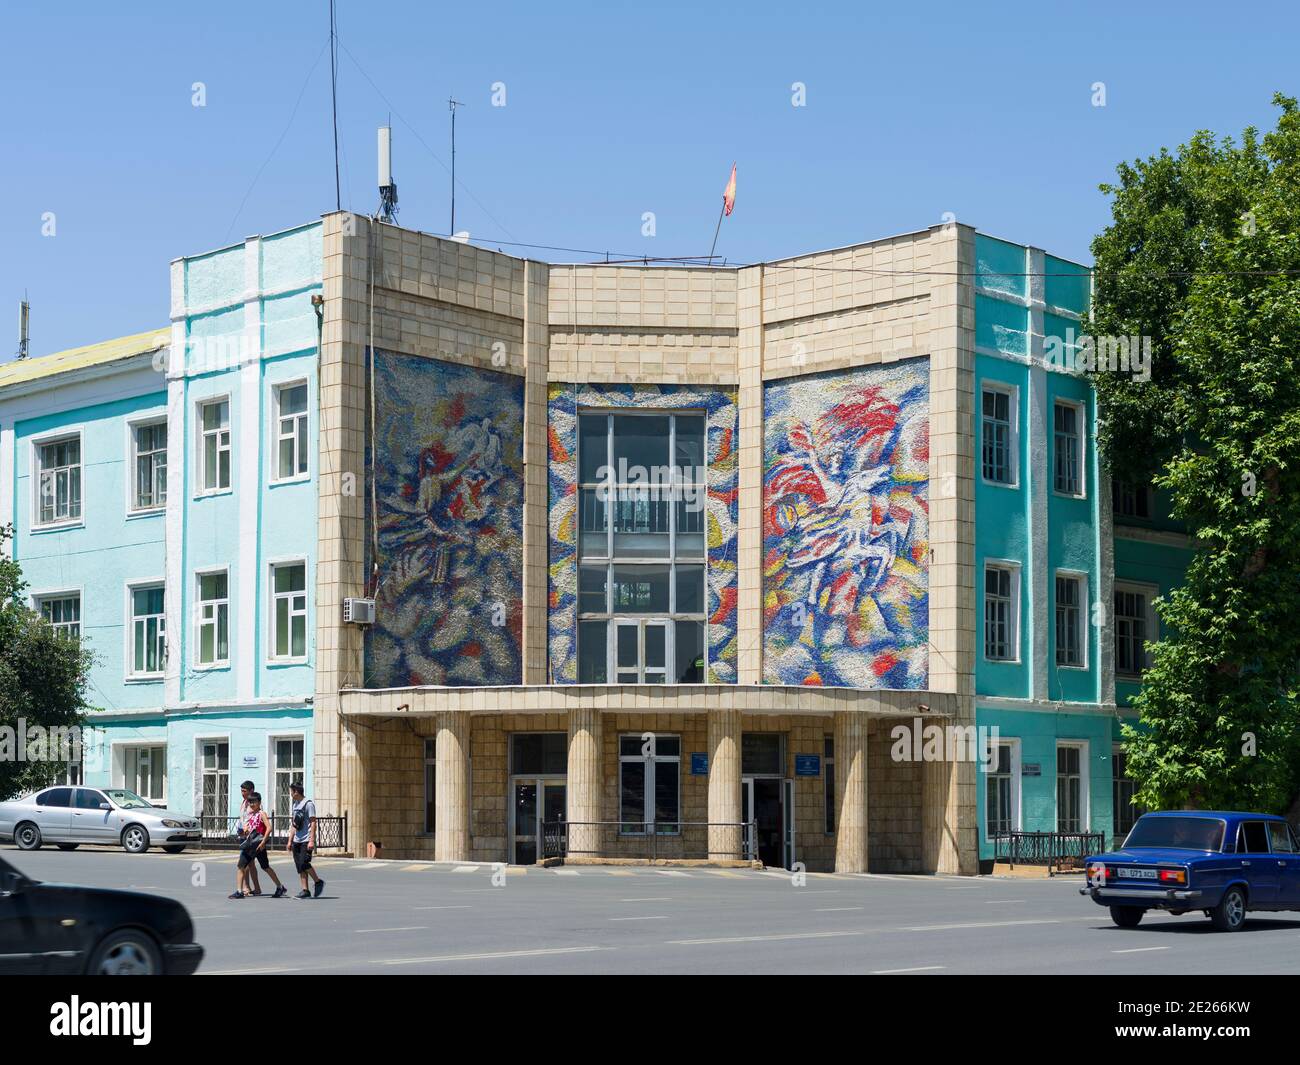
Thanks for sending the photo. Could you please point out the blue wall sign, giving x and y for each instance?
(699, 764)
(807, 765)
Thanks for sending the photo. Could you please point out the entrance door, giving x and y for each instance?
(761, 802)
(787, 797)
(535, 802)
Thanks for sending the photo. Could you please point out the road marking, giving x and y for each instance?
(761, 939)
(656, 917)
(1004, 902)
(650, 898)
(671, 872)
(462, 907)
(836, 909)
(723, 872)
(403, 928)
(975, 924)
(914, 969)
(565, 872)
(493, 955)
(414, 868)
(619, 872)
(247, 972)
(1137, 950)
(377, 865)
(458, 869)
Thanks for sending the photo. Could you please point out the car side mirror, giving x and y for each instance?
(105, 805)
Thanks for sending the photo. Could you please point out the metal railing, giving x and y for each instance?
(1056, 850)
(652, 840)
(222, 833)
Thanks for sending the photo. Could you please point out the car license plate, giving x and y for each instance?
(1137, 874)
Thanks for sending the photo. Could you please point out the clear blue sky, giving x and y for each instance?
(612, 110)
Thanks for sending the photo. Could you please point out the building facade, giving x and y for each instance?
(672, 562)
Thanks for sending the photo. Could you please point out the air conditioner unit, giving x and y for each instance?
(358, 611)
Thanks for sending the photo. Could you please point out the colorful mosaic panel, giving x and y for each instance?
(449, 487)
(845, 528)
(564, 402)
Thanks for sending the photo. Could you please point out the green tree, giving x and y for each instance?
(1203, 256)
(43, 678)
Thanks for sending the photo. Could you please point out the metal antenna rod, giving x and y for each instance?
(334, 103)
(451, 106)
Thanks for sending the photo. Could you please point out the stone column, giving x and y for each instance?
(354, 782)
(583, 787)
(724, 783)
(451, 795)
(851, 791)
(949, 827)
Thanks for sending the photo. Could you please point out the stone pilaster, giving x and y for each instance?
(584, 783)
(452, 795)
(724, 782)
(354, 781)
(851, 791)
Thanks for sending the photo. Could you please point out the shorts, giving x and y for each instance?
(248, 855)
(301, 857)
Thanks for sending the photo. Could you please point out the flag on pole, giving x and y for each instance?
(729, 193)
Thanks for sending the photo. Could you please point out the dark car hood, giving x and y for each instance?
(158, 911)
(1150, 855)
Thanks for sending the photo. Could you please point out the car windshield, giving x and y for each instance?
(127, 800)
(1178, 833)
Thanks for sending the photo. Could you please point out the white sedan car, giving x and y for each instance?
(71, 816)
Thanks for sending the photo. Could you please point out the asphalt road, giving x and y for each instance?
(396, 917)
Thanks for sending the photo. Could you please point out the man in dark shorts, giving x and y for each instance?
(302, 840)
(253, 849)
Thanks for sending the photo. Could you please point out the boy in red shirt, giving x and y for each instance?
(258, 829)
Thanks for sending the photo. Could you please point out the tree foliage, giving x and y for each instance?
(43, 678)
(1203, 256)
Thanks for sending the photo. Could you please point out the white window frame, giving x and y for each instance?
(273, 766)
(119, 750)
(36, 601)
(1013, 445)
(1081, 579)
(647, 799)
(1016, 805)
(273, 597)
(223, 663)
(1081, 440)
(201, 437)
(1013, 568)
(133, 586)
(1117, 779)
(1085, 777)
(1149, 592)
(304, 459)
(199, 741)
(56, 436)
(143, 421)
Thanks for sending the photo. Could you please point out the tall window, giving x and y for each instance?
(998, 436)
(289, 610)
(649, 778)
(1069, 620)
(215, 784)
(1000, 607)
(641, 595)
(58, 483)
(1000, 794)
(214, 457)
(1068, 448)
(63, 612)
(150, 445)
(288, 770)
(1069, 788)
(1130, 631)
(213, 619)
(1130, 501)
(291, 432)
(1126, 814)
(148, 632)
(828, 776)
(430, 785)
(144, 771)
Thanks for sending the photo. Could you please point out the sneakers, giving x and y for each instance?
(320, 886)
(235, 895)
(303, 895)
(280, 892)
(256, 893)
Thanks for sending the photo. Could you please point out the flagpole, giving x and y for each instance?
(717, 229)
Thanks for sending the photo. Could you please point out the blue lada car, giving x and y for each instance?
(1223, 864)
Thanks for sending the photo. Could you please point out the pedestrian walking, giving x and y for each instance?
(253, 850)
(302, 841)
(245, 790)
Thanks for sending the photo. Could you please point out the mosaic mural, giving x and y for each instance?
(845, 528)
(564, 402)
(449, 490)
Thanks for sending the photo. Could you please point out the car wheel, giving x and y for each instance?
(1126, 916)
(1230, 914)
(128, 952)
(135, 840)
(67, 846)
(28, 837)
(174, 850)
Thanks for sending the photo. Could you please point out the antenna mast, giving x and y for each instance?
(334, 102)
(387, 186)
(24, 320)
(451, 106)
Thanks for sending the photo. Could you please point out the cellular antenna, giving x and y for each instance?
(451, 106)
(24, 320)
(387, 186)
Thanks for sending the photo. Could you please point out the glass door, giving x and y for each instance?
(535, 803)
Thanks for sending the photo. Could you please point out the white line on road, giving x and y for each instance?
(492, 956)
(458, 869)
(657, 917)
(671, 872)
(247, 972)
(651, 898)
(404, 928)
(914, 969)
(463, 907)
(973, 924)
(836, 909)
(760, 939)
(1137, 950)
(565, 872)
